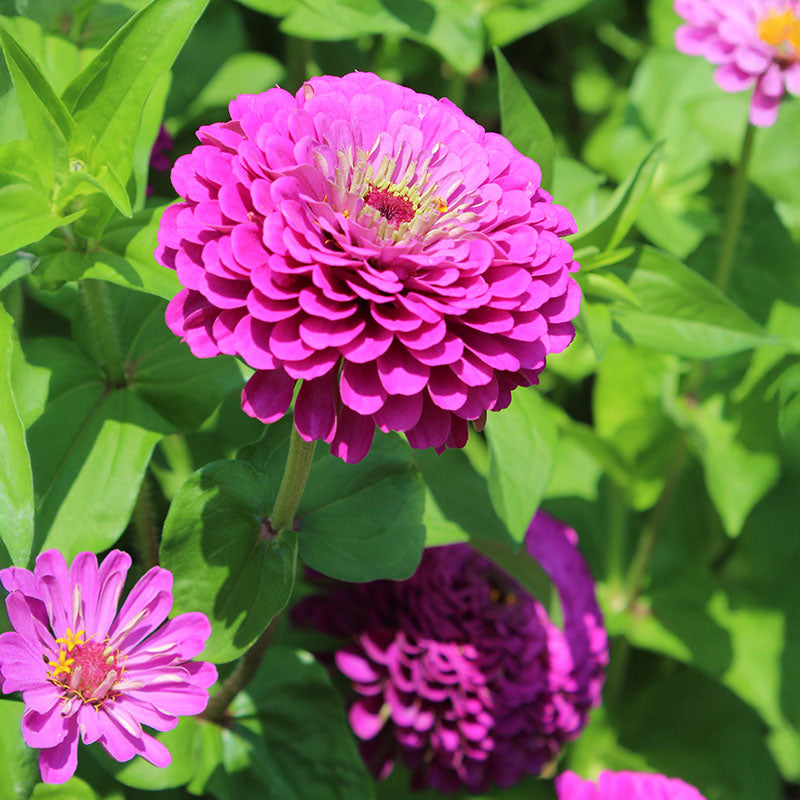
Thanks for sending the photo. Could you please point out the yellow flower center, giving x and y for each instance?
(72, 639)
(63, 664)
(781, 30)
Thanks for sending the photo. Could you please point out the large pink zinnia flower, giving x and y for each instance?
(624, 786)
(84, 669)
(376, 244)
(460, 672)
(755, 42)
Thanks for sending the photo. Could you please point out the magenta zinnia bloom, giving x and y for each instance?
(624, 786)
(460, 672)
(376, 244)
(85, 669)
(754, 42)
(159, 155)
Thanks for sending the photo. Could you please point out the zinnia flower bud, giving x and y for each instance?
(86, 670)
(624, 786)
(379, 246)
(754, 42)
(459, 672)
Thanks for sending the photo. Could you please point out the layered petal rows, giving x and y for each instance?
(89, 670)
(753, 42)
(459, 671)
(624, 786)
(379, 246)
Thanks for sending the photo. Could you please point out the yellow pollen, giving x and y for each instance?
(62, 665)
(780, 28)
(441, 206)
(72, 639)
(494, 594)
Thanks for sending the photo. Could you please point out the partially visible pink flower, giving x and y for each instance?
(377, 245)
(459, 672)
(754, 42)
(86, 670)
(624, 786)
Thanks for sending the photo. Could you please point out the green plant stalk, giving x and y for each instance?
(295, 475)
(104, 330)
(144, 526)
(734, 212)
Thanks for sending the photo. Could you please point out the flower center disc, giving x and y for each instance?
(781, 30)
(393, 207)
(86, 668)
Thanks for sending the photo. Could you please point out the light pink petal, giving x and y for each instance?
(58, 764)
(177, 698)
(112, 573)
(45, 730)
(89, 723)
(182, 637)
(145, 608)
(365, 722)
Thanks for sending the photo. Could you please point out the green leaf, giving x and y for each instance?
(73, 789)
(356, 522)
(594, 320)
(522, 441)
(89, 450)
(522, 122)
(507, 22)
(26, 216)
(628, 409)
(19, 767)
(733, 444)
(108, 97)
(16, 482)
(681, 312)
(623, 208)
(225, 561)
(48, 122)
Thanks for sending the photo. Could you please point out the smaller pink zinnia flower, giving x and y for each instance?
(754, 42)
(624, 786)
(84, 669)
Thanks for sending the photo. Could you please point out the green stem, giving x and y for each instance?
(734, 213)
(295, 475)
(647, 542)
(144, 526)
(617, 526)
(104, 330)
(244, 673)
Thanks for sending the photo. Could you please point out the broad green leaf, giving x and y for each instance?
(522, 441)
(628, 410)
(607, 286)
(123, 255)
(733, 444)
(19, 767)
(356, 522)
(623, 208)
(594, 320)
(14, 267)
(26, 216)
(575, 186)
(48, 122)
(16, 482)
(286, 739)
(789, 394)
(225, 561)
(507, 22)
(277, 8)
(150, 125)
(522, 122)
(108, 97)
(73, 789)
(681, 312)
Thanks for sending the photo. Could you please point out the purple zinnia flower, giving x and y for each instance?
(752, 41)
(159, 155)
(376, 244)
(460, 672)
(624, 786)
(85, 669)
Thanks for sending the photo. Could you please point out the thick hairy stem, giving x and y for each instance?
(295, 475)
(105, 335)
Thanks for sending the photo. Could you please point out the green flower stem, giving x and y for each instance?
(105, 335)
(295, 475)
(144, 526)
(245, 671)
(734, 213)
(647, 542)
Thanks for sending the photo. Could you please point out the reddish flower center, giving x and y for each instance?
(393, 207)
(88, 669)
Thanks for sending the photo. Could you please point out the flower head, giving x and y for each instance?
(377, 245)
(754, 42)
(459, 671)
(159, 155)
(624, 786)
(85, 669)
